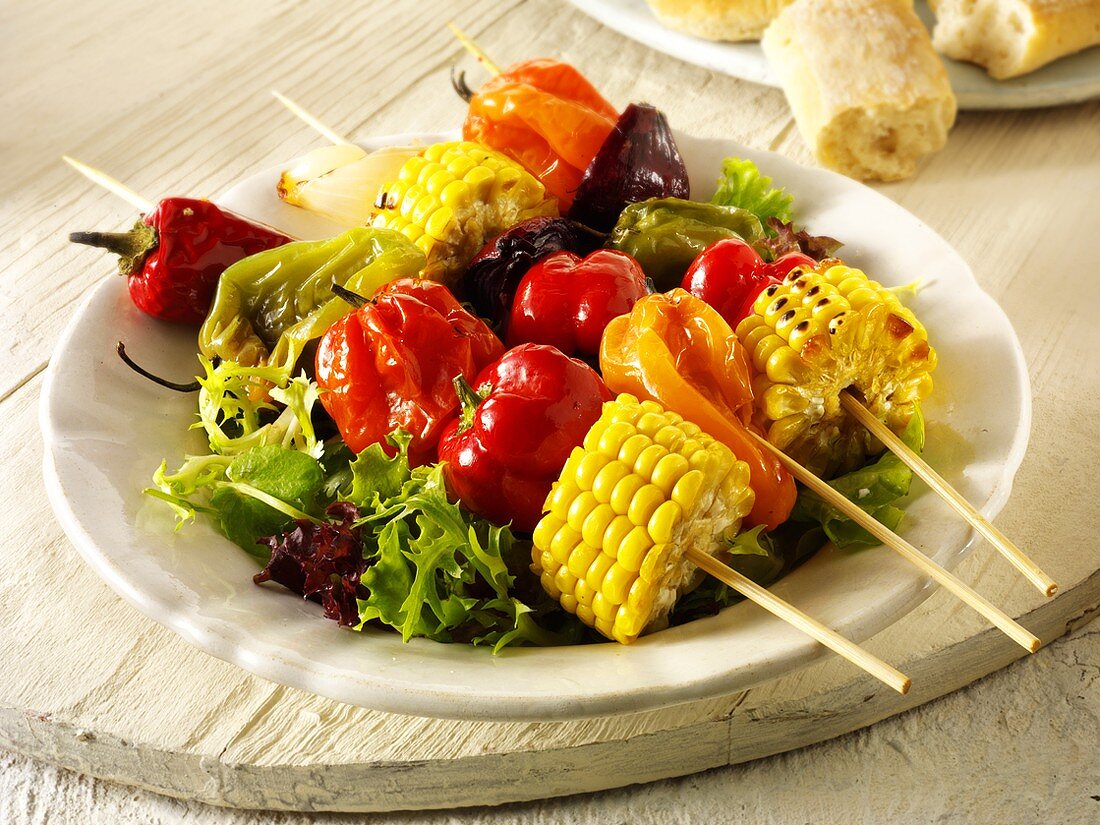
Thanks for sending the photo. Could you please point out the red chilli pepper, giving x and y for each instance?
(516, 430)
(729, 274)
(391, 365)
(567, 301)
(174, 255)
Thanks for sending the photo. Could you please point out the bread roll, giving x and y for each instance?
(1013, 37)
(870, 95)
(718, 19)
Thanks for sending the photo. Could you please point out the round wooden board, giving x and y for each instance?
(90, 684)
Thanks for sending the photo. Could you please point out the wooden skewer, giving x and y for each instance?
(313, 122)
(473, 49)
(796, 618)
(746, 587)
(949, 494)
(895, 542)
(110, 184)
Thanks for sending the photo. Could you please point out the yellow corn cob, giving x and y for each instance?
(453, 197)
(822, 331)
(645, 486)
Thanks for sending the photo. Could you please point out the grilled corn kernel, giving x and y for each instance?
(644, 488)
(822, 331)
(453, 197)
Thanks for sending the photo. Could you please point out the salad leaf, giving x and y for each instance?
(322, 561)
(376, 476)
(263, 471)
(433, 569)
(743, 185)
(235, 400)
(266, 488)
(782, 238)
(875, 487)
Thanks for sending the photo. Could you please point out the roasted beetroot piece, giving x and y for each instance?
(492, 278)
(322, 562)
(639, 160)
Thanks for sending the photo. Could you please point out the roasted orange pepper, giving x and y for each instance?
(675, 349)
(546, 116)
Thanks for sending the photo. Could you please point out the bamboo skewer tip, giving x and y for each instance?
(888, 537)
(112, 185)
(473, 48)
(310, 120)
(950, 495)
(822, 633)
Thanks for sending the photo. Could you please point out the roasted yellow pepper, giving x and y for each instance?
(675, 349)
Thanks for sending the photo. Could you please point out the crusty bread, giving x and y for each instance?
(718, 19)
(869, 94)
(1013, 37)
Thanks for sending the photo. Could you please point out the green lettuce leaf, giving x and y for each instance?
(233, 417)
(263, 470)
(434, 570)
(256, 494)
(876, 488)
(742, 185)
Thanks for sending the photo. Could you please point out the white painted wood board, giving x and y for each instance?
(173, 99)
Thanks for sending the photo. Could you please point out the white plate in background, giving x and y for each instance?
(1069, 80)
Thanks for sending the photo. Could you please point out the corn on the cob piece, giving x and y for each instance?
(645, 486)
(826, 330)
(453, 197)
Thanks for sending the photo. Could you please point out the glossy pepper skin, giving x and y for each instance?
(665, 235)
(677, 350)
(494, 274)
(174, 255)
(729, 275)
(567, 301)
(546, 116)
(516, 430)
(391, 365)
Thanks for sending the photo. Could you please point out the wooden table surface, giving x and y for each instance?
(173, 99)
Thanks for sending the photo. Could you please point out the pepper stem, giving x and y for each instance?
(194, 386)
(131, 247)
(346, 295)
(469, 400)
(458, 83)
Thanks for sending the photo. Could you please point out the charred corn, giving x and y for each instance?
(453, 197)
(826, 330)
(644, 487)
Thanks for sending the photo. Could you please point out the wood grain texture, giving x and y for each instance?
(173, 99)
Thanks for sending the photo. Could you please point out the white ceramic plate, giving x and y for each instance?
(1069, 80)
(106, 430)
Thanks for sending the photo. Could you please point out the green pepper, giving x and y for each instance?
(269, 306)
(665, 234)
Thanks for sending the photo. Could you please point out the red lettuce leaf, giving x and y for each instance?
(322, 562)
(782, 238)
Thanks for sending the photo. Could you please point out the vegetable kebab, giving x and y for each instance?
(535, 394)
(881, 349)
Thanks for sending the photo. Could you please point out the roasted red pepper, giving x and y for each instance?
(391, 365)
(494, 274)
(546, 116)
(516, 430)
(567, 301)
(174, 255)
(729, 275)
